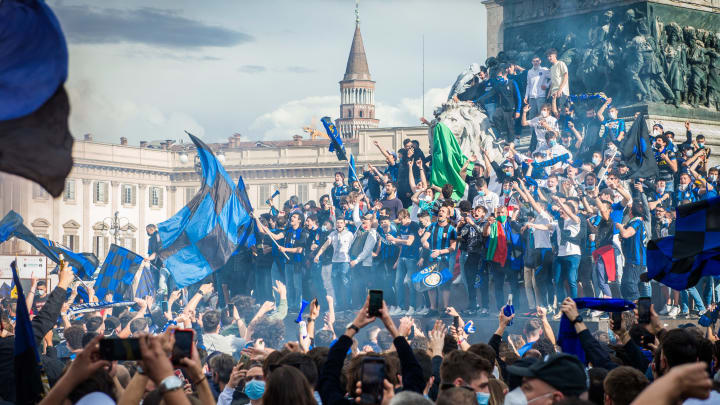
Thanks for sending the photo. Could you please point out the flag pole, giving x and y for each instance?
(271, 238)
(352, 168)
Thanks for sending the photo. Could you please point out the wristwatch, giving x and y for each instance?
(170, 383)
(577, 320)
(353, 327)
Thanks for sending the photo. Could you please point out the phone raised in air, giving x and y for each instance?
(183, 345)
(643, 307)
(120, 349)
(376, 302)
(373, 374)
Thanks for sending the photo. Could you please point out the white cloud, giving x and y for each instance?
(289, 118)
(113, 118)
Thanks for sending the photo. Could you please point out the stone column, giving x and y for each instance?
(142, 206)
(114, 196)
(85, 227)
(170, 210)
(494, 26)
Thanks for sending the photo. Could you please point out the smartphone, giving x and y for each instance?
(376, 302)
(616, 320)
(643, 306)
(183, 345)
(120, 349)
(373, 374)
(164, 306)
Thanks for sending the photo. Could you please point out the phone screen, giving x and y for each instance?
(164, 306)
(376, 302)
(617, 320)
(120, 349)
(643, 306)
(183, 344)
(373, 374)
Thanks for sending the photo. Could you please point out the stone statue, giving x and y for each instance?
(464, 80)
(697, 79)
(634, 62)
(652, 73)
(713, 81)
(675, 61)
(471, 127)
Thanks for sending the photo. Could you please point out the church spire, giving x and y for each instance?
(357, 66)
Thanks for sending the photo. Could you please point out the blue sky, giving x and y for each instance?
(150, 69)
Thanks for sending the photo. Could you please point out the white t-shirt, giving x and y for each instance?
(490, 201)
(535, 79)
(341, 242)
(557, 71)
(568, 248)
(540, 131)
(542, 237)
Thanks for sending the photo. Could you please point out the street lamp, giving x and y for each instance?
(115, 224)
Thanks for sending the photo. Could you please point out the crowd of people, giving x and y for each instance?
(543, 226)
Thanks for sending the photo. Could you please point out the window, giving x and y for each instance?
(69, 192)
(303, 191)
(360, 114)
(100, 245)
(128, 194)
(156, 197)
(72, 242)
(189, 193)
(127, 242)
(38, 192)
(100, 192)
(350, 113)
(264, 194)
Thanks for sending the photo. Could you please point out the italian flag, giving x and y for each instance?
(497, 244)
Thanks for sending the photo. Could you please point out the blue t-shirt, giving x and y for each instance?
(527, 346)
(387, 251)
(337, 193)
(633, 247)
(614, 128)
(404, 232)
(616, 215)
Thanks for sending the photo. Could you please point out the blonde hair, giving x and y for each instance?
(498, 389)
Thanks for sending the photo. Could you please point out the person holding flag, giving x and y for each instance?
(440, 239)
(497, 252)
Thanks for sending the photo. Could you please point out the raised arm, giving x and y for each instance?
(387, 156)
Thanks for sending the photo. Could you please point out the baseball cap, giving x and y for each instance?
(562, 371)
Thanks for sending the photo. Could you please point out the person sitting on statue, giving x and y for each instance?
(614, 126)
(508, 106)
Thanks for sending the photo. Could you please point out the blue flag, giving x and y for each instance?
(83, 264)
(431, 277)
(28, 369)
(567, 337)
(202, 236)
(637, 153)
(336, 143)
(352, 174)
(12, 225)
(679, 261)
(248, 232)
(117, 274)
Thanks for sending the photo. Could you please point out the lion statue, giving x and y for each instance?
(471, 128)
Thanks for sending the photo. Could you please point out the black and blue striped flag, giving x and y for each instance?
(248, 233)
(336, 143)
(117, 274)
(637, 153)
(83, 264)
(202, 236)
(680, 260)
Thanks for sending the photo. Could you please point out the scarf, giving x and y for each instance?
(607, 255)
(568, 339)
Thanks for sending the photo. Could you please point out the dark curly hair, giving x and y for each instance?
(272, 331)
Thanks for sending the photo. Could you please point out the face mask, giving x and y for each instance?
(657, 146)
(553, 142)
(428, 198)
(254, 389)
(515, 397)
(683, 187)
(613, 115)
(506, 192)
(665, 221)
(502, 218)
(701, 145)
(483, 398)
(596, 161)
(544, 113)
(689, 153)
(656, 132)
(508, 172)
(660, 190)
(481, 193)
(324, 228)
(712, 177)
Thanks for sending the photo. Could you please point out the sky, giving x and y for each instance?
(148, 70)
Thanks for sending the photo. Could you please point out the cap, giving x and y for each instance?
(562, 371)
(507, 163)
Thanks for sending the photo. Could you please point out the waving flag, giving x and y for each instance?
(336, 143)
(202, 236)
(83, 264)
(248, 232)
(431, 277)
(352, 174)
(679, 261)
(30, 380)
(637, 152)
(117, 274)
(12, 225)
(447, 161)
(35, 141)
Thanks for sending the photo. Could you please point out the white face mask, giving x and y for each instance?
(656, 132)
(428, 198)
(712, 177)
(613, 115)
(544, 113)
(517, 397)
(683, 187)
(596, 161)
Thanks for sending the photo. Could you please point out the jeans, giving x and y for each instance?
(692, 291)
(600, 280)
(566, 267)
(327, 280)
(384, 279)
(360, 282)
(630, 283)
(406, 267)
(711, 289)
(263, 286)
(294, 281)
(471, 271)
(314, 287)
(341, 285)
(499, 274)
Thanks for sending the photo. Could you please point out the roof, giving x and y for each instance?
(357, 66)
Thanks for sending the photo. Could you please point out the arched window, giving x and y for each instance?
(360, 114)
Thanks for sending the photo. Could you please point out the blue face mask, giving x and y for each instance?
(553, 142)
(506, 191)
(254, 389)
(483, 398)
(481, 193)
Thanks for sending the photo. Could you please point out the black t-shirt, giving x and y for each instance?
(295, 238)
(154, 246)
(320, 239)
(604, 235)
